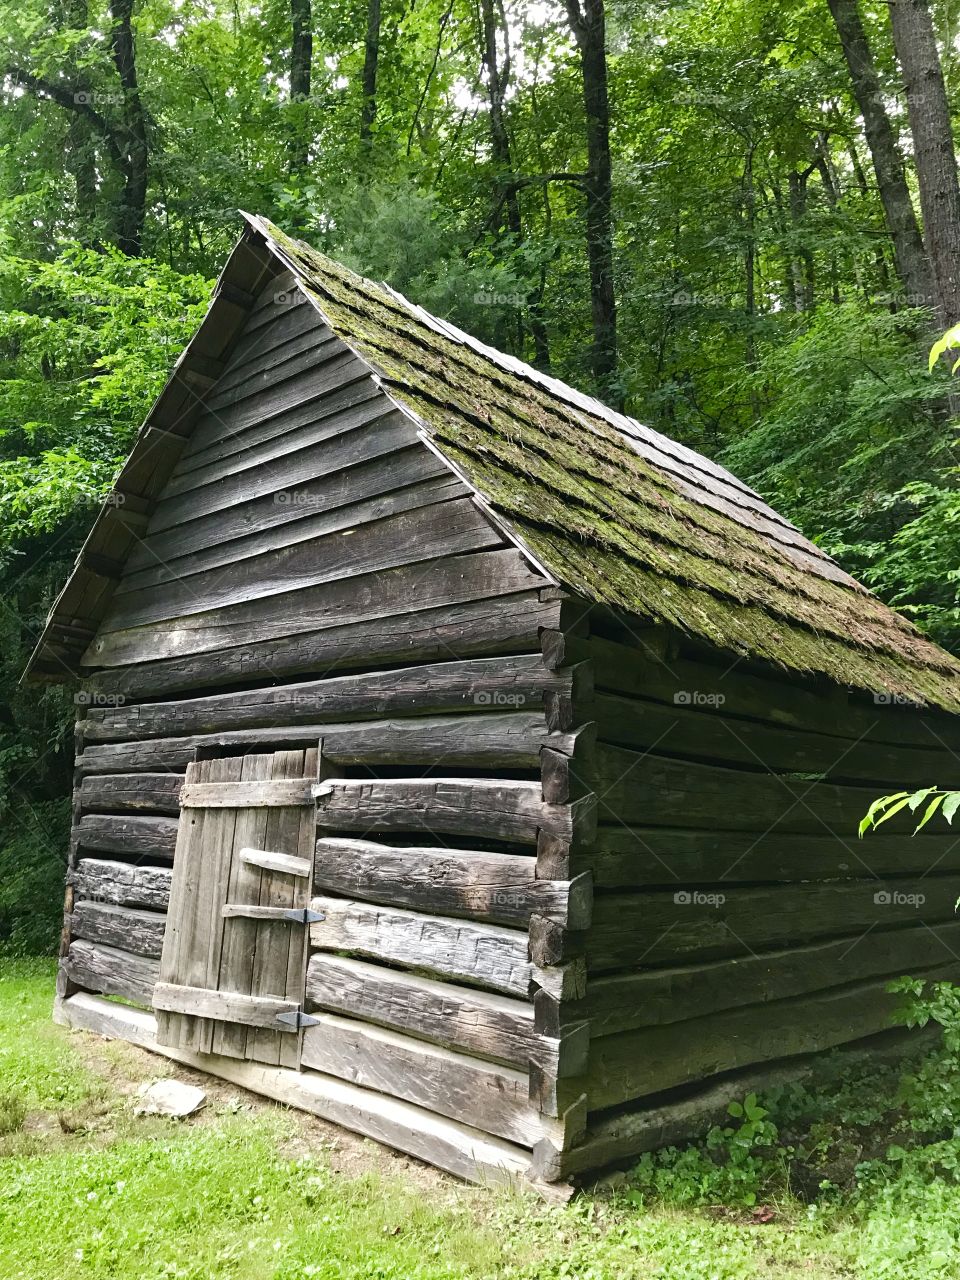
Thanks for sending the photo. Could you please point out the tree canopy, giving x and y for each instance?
(737, 219)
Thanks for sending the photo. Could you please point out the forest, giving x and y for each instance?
(739, 221)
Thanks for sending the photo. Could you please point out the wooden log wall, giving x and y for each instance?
(564, 863)
(312, 573)
(737, 918)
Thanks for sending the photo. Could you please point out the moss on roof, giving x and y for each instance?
(610, 523)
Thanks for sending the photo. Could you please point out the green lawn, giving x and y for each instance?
(87, 1189)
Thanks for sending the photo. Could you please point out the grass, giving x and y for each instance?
(90, 1191)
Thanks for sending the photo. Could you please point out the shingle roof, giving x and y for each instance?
(617, 512)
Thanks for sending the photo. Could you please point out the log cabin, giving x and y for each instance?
(466, 763)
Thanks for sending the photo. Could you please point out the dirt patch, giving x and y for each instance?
(124, 1067)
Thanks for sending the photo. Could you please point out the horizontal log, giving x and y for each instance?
(477, 685)
(710, 735)
(501, 888)
(667, 928)
(641, 670)
(111, 971)
(224, 1006)
(123, 927)
(487, 1097)
(278, 793)
(122, 884)
(475, 1022)
(113, 833)
(484, 954)
(126, 792)
(509, 740)
(272, 641)
(652, 997)
(637, 856)
(634, 787)
(493, 809)
(637, 1063)
(462, 1151)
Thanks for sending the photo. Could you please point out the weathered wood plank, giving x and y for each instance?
(319, 504)
(113, 833)
(492, 808)
(276, 793)
(670, 927)
(224, 1006)
(122, 884)
(635, 787)
(229, 464)
(513, 741)
(641, 671)
(130, 930)
(130, 792)
(488, 1097)
(498, 887)
(291, 516)
(319, 454)
(484, 954)
(623, 1067)
(710, 735)
(476, 1022)
(367, 620)
(262, 371)
(239, 940)
(651, 997)
(463, 1151)
(444, 528)
(111, 971)
(201, 872)
(268, 861)
(483, 685)
(238, 430)
(625, 856)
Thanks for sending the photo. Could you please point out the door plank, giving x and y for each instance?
(224, 1006)
(275, 793)
(240, 937)
(285, 862)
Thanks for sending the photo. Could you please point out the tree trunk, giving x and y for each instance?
(301, 69)
(371, 64)
(506, 194)
(934, 155)
(133, 199)
(588, 27)
(911, 261)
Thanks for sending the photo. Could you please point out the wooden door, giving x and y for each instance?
(233, 968)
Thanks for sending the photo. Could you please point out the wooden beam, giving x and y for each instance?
(465, 1152)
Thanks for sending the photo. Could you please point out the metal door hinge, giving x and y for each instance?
(303, 915)
(297, 1020)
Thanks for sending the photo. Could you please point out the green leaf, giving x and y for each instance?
(932, 808)
(951, 804)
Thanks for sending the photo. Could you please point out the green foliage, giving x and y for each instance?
(931, 799)
(32, 866)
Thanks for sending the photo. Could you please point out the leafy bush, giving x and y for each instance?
(32, 863)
